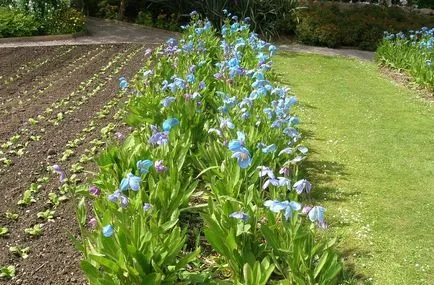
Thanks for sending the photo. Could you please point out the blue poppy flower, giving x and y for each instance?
(269, 149)
(147, 207)
(167, 101)
(276, 206)
(301, 185)
(191, 78)
(130, 182)
(272, 49)
(239, 216)
(107, 231)
(304, 150)
(265, 171)
(170, 123)
(243, 157)
(316, 214)
(226, 123)
(144, 165)
(287, 150)
(115, 196)
(123, 83)
(238, 144)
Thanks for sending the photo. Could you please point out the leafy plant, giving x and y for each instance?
(36, 230)
(47, 215)
(7, 272)
(27, 198)
(412, 53)
(22, 252)
(11, 216)
(3, 231)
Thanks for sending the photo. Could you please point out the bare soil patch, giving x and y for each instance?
(53, 258)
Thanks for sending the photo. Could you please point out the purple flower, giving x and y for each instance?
(124, 201)
(159, 138)
(284, 171)
(239, 216)
(62, 175)
(202, 85)
(118, 196)
(130, 182)
(159, 166)
(107, 231)
(92, 223)
(119, 136)
(115, 196)
(95, 191)
(306, 210)
(301, 185)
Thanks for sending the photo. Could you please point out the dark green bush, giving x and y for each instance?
(16, 24)
(425, 4)
(328, 24)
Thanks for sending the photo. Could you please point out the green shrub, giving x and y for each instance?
(16, 24)
(326, 24)
(65, 21)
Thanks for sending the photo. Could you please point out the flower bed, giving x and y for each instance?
(412, 52)
(193, 194)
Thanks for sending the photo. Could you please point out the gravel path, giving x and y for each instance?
(103, 31)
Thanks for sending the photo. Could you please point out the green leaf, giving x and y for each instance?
(320, 265)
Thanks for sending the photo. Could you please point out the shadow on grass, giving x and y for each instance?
(350, 274)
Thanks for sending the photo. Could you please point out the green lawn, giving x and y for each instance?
(372, 164)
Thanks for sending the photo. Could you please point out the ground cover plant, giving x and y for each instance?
(412, 53)
(370, 141)
(193, 194)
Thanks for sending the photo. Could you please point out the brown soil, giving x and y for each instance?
(10, 57)
(15, 115)
(53, 258)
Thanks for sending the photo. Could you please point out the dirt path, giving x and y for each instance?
(103, 31)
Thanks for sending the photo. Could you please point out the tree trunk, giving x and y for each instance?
(122, 7)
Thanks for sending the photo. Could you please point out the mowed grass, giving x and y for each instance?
(372, 164)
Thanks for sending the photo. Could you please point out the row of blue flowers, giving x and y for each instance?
(412, 52)
(192, 195)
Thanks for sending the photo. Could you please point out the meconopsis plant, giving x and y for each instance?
(216, 151)
(412, 52)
